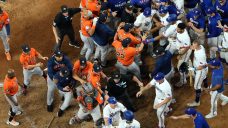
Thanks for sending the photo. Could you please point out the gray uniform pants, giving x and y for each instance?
(3, 36)
(51, 89)
(132, 68)
(195, 36)
(95, 113)
(14, 107)
(88, 46)
(67, 98)
(28, 74)
(101, 53)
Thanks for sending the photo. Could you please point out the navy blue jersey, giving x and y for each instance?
(141, 3)
(204, 5)
(117, 5)
(217, 78)
(200, 121)
(198, 22)
(213, 30)
(55, 66)
(62, 81)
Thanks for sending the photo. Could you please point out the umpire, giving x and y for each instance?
(62, 26)
(117, 87)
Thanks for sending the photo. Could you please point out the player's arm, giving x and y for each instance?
(55, 31)
(163, 102)
(140, 84)
(140, 48)
(142, 89)
(92, 29)
(198, 30)
(33, 66)
(185, 116)
(41, 57)
(74, 10)
(76, 77)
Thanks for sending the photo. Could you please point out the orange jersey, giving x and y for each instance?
(124, 55)
(83, 3)
(10, 86)
(86, 25)
(82, 73)
(94, 79)
(29, 59)
(123, 35)
(93, 6)
(4, 19)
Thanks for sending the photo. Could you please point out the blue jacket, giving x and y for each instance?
(55, 66)
(102, 34)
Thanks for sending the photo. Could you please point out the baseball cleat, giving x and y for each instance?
(60, 113)
(18, 113)
(224, 103)
(8, 56)
(72, 121)
(193, 104)
(50, 108)
(210, 115)
(13, 122)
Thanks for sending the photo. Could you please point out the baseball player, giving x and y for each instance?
(112, 111)
(64, 81)
(125, 57)
(129, 121)
(196, 24)
(94, 6)
(222, 8)
(10, 87)
(171, 7)
(62, 26)
(89, 100)
(200, 70)
(55, 63)
(217, 86)
(214, 32)
(163, 96)
(30, 65)
(5, 32)
(204, 5)
(198, 119)
(142, 4)
(81, 70)
(128, 15)
(223, 48)
(87, 29)
(184, 51)
(100, 38)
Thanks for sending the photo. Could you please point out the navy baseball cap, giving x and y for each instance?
(159, 51)
(58, 53)
(103, 17)
(215, 62)
(116, 75)
(190, 111)
(26, 48)
(159, 76)
(163, 9)
(112, 100)
(64, 9)
(147, 12)
(65, 71)
(82, 61)
(127, 27)
(172, 18)
(97, 68)
(126, 41)
(210, 10)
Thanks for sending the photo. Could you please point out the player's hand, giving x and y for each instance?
(173, 117)
(191, 69)
(190, 24)
(45, 58)
(114, 13)
(67, 88)
(138, 94)
(140, 84)
(156, 106)
(95, 21)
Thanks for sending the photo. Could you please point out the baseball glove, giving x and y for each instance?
(184, 67)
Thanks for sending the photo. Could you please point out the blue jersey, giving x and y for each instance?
(163, 64)
(204, 5)
(62, 81)
(190, 3)
(200, 121)
(198, 22)
(213, 30)
(117, 5)
(222, 10)
(141, 3)
(217, 78)
(55, 66)
(172, 9)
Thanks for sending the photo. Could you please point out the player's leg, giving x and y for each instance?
(123, 69)
(97, 52)
(66, 103)
(134, 69)
(85, 41)
(79, 116)
(160, 115)
(27, 78)
(88, 47)
(50, 94)
(3, 36)
(40, 72)
(71, 34)
(96, 113)
(104, 52)
(224, 99)
(214, 99)
(58, 44)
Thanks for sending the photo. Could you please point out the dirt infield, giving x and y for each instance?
(31, 22)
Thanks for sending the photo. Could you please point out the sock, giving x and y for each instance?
(44, 75)
(198, 94)
(12, 114)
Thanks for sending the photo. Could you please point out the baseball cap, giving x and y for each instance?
(103, 17)
(196, 12)
(97, 68)
(128, 6)
(172, 18)
(159, 51)
(163, 9)
(128, 115)
(64, 9)
(127, 27)
(58, 53)
(82, 61)
(159, 76)
(210, 10)
(147, 12)
(116, 75)
(126, 41)
(112, 100)
(215, 62)
(190, 111)
(26, 48)
(65, 71)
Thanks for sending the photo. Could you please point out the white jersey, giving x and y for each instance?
(114, 114)
(225, 40)
(144, 23)
(134, 124)
(171, 31)
(199, 57)
(163, 19)
(183, 39)
(179, 4)
(163, 90)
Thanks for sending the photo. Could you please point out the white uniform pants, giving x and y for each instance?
(28, 74)
(215, 95)
(14, 107)
(172, 47)
(51, 89)
(214, 42)
(3, 36)
(200, 75)
(88, 46)
(67, 98)
(101, 53)
(95, 113)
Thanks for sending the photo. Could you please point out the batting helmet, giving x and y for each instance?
(128, 115)
(190, 111)
(183, 67)
(159, 76)
(112, 100)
